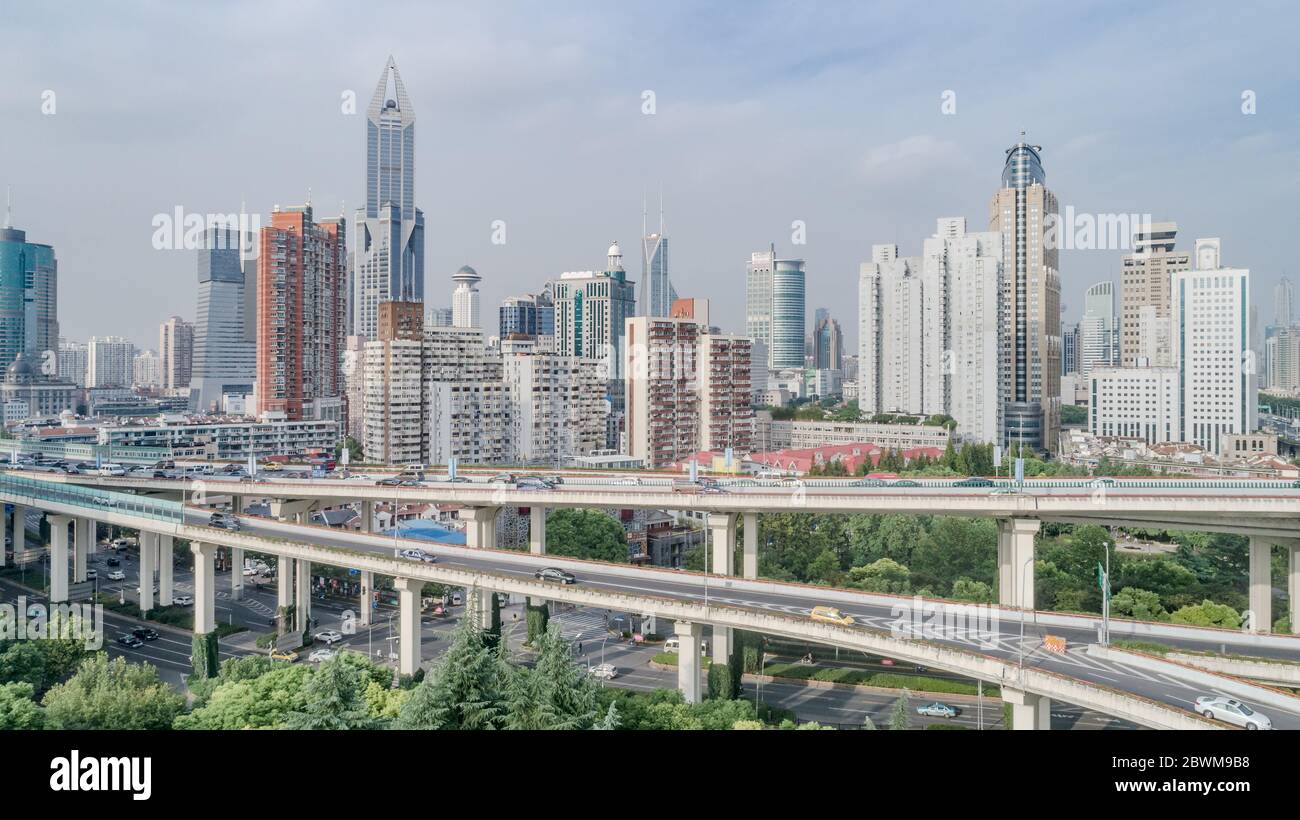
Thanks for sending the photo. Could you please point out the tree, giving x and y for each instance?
(569, 693)
(112, 694)
(41, 663)
(333, 699)
(885, 575)
(1139, 604)
(868, 723)
(1208, 613)
(263, 701)
(900, 717)
(18, 710)
(461, 691)
(610, 720)
(586, 534)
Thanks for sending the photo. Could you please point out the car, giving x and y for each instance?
(117, 574)
(685, 485)
(1103, 482)
(674, 644)
(454, 479)
(532, 483)
(555, 574)
(283, 655)
(329, 636)
(130, 641)
(182, 600)
(603, 671)
(712, 489)
(830, 615)
(271, 467)
(633, 481)
(1231, 710)
(144, 633)
(553, 479)
(321, 655)
(502, 478)
(120, 544)
(113, 562)
(973, 482)
(224, 522)
(92, 574)
(249, 572)
(937, 709)
(418, 555)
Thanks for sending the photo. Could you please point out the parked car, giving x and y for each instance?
(830, 615)
(182, 600)
(555, 574)
(129, 641)
(603, 671)
(117, 574)
(1231, 710)
(329, 636)
(937, 709)
(144, 633)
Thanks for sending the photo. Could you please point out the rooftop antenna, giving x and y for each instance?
(661, 208)
(9, 216)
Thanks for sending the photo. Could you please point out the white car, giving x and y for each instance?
(321, 655)
(330, 636)
(182, 600)
(1231, 710)
(250, 572)
(418, 555)
(117, 575)
(604, 671)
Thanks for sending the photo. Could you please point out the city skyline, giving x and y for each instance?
(515, 152)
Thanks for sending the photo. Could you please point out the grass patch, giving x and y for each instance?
(670, 659)
(883, 680)
(177, 616)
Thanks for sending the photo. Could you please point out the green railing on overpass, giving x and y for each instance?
(32, 491)
(86, 451)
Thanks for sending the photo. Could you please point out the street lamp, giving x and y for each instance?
(1028, 563)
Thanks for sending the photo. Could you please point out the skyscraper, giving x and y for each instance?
(1283, 303)
(224, 362)
(28, 301)
(1144, 295)
(656, 289)
(828, 345)
(1096, 342)
(175, 353)
(388, 240)
(111, 362)
(464, 299)
(1030, 348)
(300, 316)
(775, 308)
(591, 308)
(1211, 346)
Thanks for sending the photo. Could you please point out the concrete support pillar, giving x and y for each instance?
(367, 516)
(80, 549)
(749, 567)
(205, 591)
(19, 530)
(537, 530)
(236, 574)
(367, 590)
(148, 561)
(688, 659)
(480, 527)
(302, 582)
(1261, 583)
(91, 526)
(283, 582)
(1028, 711)
(237, 504)
(480, 608)
(166, 563)
(1016, 561)
(722, 532)
(1293, 584)
(59, 558)
(408, 624)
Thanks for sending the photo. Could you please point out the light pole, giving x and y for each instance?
(1028, 563)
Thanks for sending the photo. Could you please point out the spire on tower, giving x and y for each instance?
(9, 216)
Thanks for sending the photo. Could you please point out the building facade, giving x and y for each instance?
(225, 346)
(1145, 277)
(176, 353)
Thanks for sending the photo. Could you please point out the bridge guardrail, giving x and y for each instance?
(22, 489)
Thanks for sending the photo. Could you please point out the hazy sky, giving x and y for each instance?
(531, 113)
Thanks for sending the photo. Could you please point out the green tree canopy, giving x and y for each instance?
(112, 694)
(587, 534)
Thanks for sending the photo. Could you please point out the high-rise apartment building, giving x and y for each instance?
(110, 362)
(388, 240)
(929, 329)
(1211, 349)
(775, 307)
(393, 410)
(301, 317)
(555, 404)
(146, 370)
(74, 362)
(1096, 342)
(1135, 402)
(176, 353)
(1284, 360)
(687, 390)
(1145, 297)
(224, 358)
(1024, 210)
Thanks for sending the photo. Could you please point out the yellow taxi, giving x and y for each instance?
(283, 655)
(830, 615)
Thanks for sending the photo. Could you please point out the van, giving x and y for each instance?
(112, 470)
(675, 645)
(413, 468)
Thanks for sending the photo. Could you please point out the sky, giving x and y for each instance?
(835, 115)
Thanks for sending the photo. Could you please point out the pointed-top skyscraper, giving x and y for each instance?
(656, 290)
(388, 244)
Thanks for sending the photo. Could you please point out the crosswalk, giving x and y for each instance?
(581, 625)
